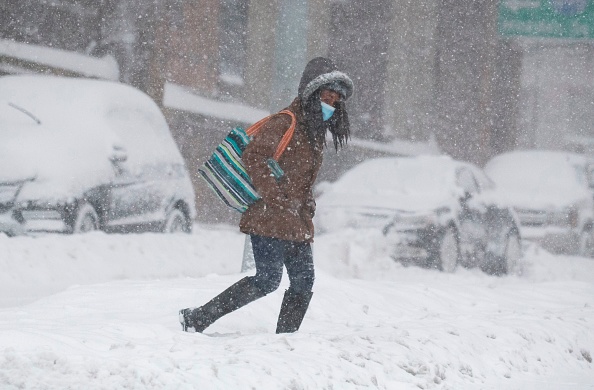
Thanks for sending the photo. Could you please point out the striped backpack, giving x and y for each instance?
(225, 173)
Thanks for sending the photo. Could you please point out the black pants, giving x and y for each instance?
(270, 254)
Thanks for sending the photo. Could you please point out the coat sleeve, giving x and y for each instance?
(255, 158)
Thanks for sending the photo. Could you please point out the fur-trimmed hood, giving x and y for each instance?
(322, 71)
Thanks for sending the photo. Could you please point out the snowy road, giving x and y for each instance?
(100, 312)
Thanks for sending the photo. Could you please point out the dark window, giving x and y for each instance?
(233, 28)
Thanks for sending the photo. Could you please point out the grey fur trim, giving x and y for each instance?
(328, 78)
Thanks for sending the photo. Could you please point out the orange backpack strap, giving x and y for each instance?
(255, 128)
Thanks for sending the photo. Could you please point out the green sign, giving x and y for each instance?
(547, 18)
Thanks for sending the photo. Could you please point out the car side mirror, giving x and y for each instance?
(467, 195)
(118, 155)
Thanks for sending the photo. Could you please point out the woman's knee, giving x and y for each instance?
(303, 283)
(267, 284)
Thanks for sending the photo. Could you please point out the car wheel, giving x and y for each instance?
(447, 251)
(175, 222)
(513, 254)
(507, 262)
(586, 243)
(86, 219)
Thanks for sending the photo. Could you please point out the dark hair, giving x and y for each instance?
(338, 124)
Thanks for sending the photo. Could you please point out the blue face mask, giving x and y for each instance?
(327, 111)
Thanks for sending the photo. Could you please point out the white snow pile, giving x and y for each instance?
(99, 311)
(106, 67)
(181, 98)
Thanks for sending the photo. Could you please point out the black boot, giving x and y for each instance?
(236, 296)
(292, 311)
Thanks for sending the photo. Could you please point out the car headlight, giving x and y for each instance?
(567, 217)
(8, 192)
(440, 212)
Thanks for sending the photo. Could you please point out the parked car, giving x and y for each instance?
(433, 210)
(550, 193)
(79, 155)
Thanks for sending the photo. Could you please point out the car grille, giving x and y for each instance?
(333, 218)
(369, 220)
(530, 217)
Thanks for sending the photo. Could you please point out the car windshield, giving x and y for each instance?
(398, 175)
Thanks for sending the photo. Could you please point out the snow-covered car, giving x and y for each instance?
(433, 210)
(549, 191)
(79, 155)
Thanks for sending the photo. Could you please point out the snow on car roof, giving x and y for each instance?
(408, 183)
(404, 173)
(77, 98)
(540, 176)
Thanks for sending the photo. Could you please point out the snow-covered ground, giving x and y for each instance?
(99, 311)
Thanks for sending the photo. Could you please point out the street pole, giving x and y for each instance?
(290, 51)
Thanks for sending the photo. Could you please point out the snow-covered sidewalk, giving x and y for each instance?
(100, 312)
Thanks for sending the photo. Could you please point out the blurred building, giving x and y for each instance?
(556, 98)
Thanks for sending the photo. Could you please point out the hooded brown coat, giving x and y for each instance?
(287, 205)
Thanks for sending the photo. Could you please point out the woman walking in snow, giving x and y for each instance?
(280, 223)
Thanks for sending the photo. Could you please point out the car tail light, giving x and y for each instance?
(568, 217)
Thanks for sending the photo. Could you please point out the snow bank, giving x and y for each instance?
(372, 323)
(180, 98)
(34, 267)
